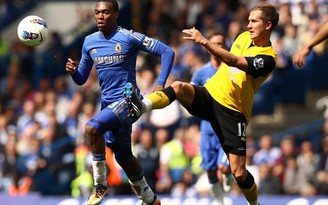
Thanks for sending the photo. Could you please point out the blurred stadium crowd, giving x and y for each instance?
(42, 112)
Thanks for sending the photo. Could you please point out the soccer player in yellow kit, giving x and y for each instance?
(226, 99)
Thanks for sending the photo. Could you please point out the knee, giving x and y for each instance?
(239, 173)
(181, 88)
(177, 86)
(91, 132)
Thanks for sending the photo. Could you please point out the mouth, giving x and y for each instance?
(100, 24)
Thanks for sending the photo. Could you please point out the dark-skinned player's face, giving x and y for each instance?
(105, 16)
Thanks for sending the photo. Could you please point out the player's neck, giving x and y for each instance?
(109, 31)
(262, 42)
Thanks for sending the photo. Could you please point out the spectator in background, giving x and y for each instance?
(70, 120)
(290, 42)
(321, 178)
(82, 183)
(56, 153)
(173, 162)
(4, 131)
(307, 162)
(179, 70)
(269, 184)
(233, 30)
(291, 181)
(9, 169)
(4, 55)
(53, 58)
(26, 117)
(161, 137)
(267, 154)
(288, 149)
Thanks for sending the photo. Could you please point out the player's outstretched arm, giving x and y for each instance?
(320, 36)
(220, 53)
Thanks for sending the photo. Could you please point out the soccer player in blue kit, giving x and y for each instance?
(213, 156)
(113, 51)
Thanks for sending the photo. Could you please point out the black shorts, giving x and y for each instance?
(229, 125)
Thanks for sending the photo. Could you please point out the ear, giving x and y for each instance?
(269, 25)
(116, 15)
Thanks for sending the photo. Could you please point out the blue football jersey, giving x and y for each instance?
(114, 58)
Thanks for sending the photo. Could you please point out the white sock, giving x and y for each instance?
(99, 172)
(217, 192)
(146, 105)
(143, 191)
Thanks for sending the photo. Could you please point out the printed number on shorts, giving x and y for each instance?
(242, 129)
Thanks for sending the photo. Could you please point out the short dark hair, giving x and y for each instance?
(269, 13)
(113, 2)
(214, 32)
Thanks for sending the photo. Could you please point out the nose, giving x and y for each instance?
(100, 15)
(249, 26)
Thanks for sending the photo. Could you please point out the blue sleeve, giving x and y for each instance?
(196, 79)
(84, 69)
(166, 53)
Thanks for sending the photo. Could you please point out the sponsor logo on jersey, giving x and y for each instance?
(258, 63)
(118, 48)
(148, 42)
(108, 59)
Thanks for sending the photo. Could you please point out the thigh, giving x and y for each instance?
(119, 141)
(111, 117)
(230, 126)
(202, 104)
(121, 135)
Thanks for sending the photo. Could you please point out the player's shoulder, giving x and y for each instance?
(243, 36)
(131, 33)
(206, 67)
(92, 35)
(203, 70)
(123, 30)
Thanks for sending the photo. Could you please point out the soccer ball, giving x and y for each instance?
(32, 30)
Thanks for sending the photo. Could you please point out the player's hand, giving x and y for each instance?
(194, 35)
(299, 57)
(71, 66)
(158, 87)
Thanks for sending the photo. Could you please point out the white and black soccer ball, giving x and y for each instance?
(32, 30)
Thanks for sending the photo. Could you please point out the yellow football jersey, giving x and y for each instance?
(234, 88)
